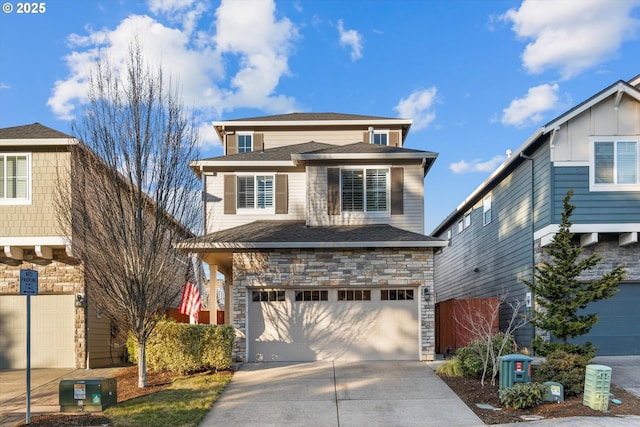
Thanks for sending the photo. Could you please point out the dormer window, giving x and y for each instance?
(245, 142)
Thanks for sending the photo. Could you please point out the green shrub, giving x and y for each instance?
(566, 368)
(186, 348)
(522, 395)
(472, 355)
(450, 368)
(543, 348)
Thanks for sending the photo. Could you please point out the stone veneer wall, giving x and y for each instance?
(335, 268)
(60, 275)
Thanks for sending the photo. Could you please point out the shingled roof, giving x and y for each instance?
(291, 117)
(33, 131)
(296, 234)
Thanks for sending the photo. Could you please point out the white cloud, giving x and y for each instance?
(572, 36)
(530, 109)
(4, 86)
(351, 39)
(248, 39)
(477, 165)
(418, 107)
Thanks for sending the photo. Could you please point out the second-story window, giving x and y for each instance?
(15, 178)
(380, 138)
(365, 190)
(245, 143)
(615, 165)
(255, 192)
(486, 210)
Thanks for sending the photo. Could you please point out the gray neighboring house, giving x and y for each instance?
(316, 222)
(499, 232)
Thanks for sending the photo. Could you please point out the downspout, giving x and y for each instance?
(533, 243)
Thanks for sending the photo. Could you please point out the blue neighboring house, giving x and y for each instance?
(498, 234)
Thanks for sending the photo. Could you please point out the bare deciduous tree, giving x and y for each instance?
(132, 194)
(480, 326)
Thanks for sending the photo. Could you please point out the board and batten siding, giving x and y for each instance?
(571, 141)
(604, 207)
(217, 220)
(412, 218)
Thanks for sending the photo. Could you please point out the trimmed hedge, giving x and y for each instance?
(186, 348)
(565, 368)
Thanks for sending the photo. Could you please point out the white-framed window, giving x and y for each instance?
(255, 193)
(15, 178)
(245, 142)
(380, 137)
(614, 164)
(486, 210)
(464, 222)
(365, 190)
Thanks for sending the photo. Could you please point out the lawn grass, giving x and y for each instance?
(184, 403)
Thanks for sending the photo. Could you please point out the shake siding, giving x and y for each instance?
(592, 207)
(38, 218)
(411, 220)
(214, 204)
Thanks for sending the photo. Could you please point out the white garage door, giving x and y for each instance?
(333, 324)
(52, 331)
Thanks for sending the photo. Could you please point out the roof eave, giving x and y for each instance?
(37, 142)
(228, 246)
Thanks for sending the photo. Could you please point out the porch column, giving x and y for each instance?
(213, 294)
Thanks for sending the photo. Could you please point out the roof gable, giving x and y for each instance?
(32, 131)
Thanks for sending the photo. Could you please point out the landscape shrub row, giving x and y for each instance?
(186, 348)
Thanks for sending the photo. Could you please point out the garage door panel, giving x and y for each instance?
(52, 331)
(617, 331)
(333, 330)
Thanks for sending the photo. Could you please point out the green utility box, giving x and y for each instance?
(555, 391)
(93, 395)
(597, 384)
(514, 368)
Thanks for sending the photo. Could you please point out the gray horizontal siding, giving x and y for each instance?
(592, 207)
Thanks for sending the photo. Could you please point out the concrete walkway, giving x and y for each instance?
(339, 394)
(44, 391)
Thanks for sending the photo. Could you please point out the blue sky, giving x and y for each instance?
(476, 77)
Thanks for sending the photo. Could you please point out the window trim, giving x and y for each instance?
(244, 133)
(268, 295)
(487, 209)
(6, 201)
(593, 186)
(379, 132)
(364, 212)
(405, 292)
(255, 209)
(354, 295)
(304, 294)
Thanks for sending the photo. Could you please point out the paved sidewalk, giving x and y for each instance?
(44, 391)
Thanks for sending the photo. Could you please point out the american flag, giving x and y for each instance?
(190, 301)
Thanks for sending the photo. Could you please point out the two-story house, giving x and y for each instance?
(316, 222)
(67, 331)
(498, 234)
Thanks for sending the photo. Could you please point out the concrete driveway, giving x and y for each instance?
(339, 394)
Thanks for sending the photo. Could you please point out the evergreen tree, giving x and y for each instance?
(558, 292)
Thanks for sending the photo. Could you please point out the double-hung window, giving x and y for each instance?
(365, 190)
(245, 142)
(615, 165)
(15, 178)
(255, 192)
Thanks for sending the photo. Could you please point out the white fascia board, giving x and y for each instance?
(199, 164)
(361, 156)
(28, 241)
(588, 228)
(311, 245)
(37, 142)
